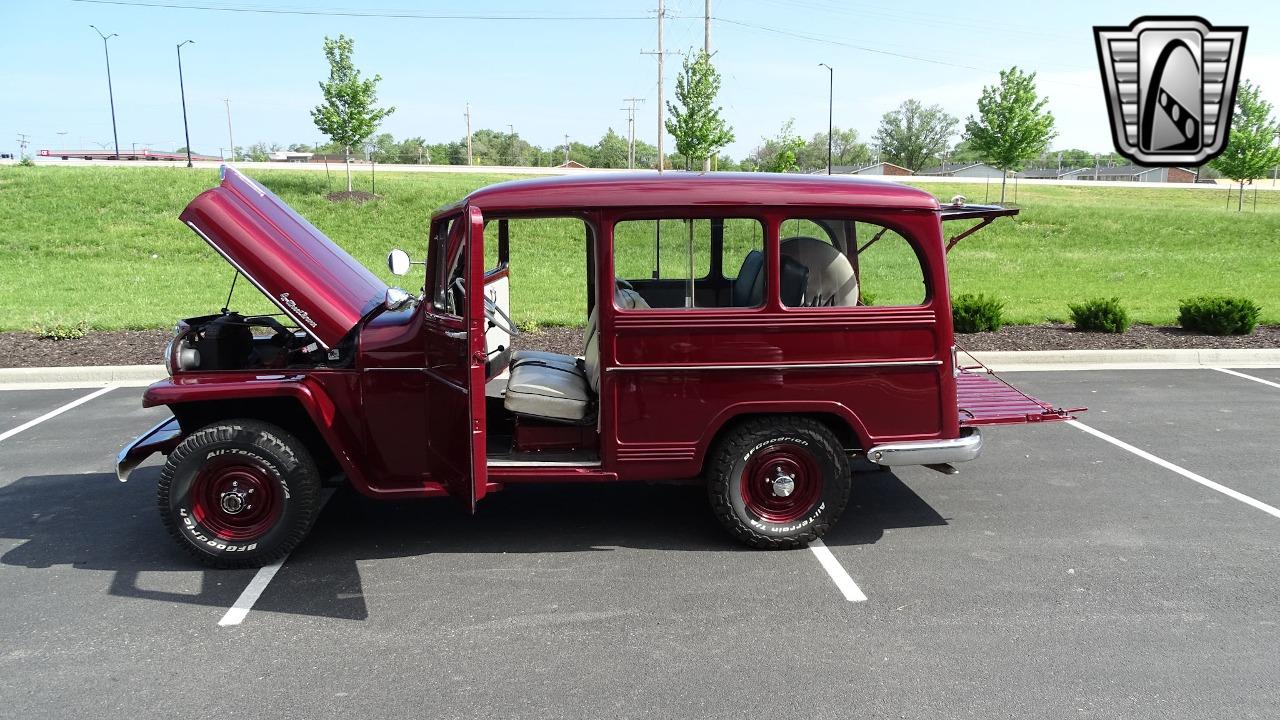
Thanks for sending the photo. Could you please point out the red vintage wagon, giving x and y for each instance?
(751, 332)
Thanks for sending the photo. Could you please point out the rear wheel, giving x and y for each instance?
(239, 493)
(778, 482)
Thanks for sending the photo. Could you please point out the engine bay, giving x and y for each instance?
(231, 341)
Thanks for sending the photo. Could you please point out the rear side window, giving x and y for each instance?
(689, 263)
(843, 263)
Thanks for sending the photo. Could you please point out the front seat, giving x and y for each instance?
(831, 280)
(557, 387)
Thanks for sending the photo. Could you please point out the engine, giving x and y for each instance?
(231, 341)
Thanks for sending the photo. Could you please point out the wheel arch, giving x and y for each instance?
(839, 419)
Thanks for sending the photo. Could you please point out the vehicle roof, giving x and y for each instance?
(674, 189)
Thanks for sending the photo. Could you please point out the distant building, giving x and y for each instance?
(963, 170)
(1138, 173)
(573, 164)
(289, 156)
(1052, 173)
(880, 168)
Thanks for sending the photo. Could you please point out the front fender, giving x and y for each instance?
(318, 394)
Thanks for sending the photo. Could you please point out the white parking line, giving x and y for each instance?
(1268, 509)
(56, 412)
(251, 593)
(851, 591)
(243, 604)
(1247, 377)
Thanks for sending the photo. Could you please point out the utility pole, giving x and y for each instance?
(23, 140)
(468, 114)
(182, 89)
(230, 138)
(111, 96)
(631, 130)
(661, 107)
(706, 47)
(831, 95)
(566, 149)
(62, 141)
(515, 160)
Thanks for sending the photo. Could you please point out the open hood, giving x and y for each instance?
(312, 280)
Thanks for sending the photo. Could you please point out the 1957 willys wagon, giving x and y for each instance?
(751, 332)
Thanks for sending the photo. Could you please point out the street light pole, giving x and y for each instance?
(230, 138)
(182, 89)
(111, 96)
(831, 94)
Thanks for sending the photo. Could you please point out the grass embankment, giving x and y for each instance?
(101, 248)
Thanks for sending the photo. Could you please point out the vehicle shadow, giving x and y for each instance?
(92, 522)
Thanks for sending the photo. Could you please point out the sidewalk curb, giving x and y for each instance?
(998, 360)
(85, 376)
(1189, 359)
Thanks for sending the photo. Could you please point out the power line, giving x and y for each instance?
(341, 12)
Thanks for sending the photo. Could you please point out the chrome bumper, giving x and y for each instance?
(164, 436)
(929, 452)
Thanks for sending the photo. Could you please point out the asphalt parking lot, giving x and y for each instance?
(1060, 575)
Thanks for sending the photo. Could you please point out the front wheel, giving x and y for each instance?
(778, 482)
(239, 493)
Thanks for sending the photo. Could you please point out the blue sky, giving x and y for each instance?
(549, 78)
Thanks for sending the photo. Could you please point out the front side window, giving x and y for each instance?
(450, 250)
(844, 263)
(690, 262)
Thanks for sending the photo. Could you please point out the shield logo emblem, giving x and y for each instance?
(1170, 87)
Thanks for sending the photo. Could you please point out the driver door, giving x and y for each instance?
(456, 359)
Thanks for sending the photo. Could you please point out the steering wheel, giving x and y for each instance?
(499, 319)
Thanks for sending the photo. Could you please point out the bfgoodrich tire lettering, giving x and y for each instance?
(778, 482)
(239, 493)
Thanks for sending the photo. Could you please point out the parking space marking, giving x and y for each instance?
(243, 604)
(1254, 502)
(1247, 377)
(56, 412)
(251, 593)
(851, 591)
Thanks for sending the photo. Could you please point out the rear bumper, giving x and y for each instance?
(929, 452)
(163, 437)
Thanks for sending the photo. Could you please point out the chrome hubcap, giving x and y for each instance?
(235, 500)
(782, 484)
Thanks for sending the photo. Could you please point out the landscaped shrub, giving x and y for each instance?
(976, 313)
(1100, 315)
(1219, 315)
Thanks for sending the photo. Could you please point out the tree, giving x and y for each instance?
(1251, 149)
(1012, 125)
(845, 150)
(780, 153)
(347, 115)
(913, 134)
(695, 123)
(611, 151)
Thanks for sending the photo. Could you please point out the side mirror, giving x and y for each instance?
(398, 262)
(396, 299)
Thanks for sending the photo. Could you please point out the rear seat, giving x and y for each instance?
(560, 387)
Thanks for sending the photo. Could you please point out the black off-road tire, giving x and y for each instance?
(798, 436)
(285, 467)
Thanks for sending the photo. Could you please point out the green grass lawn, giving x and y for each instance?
(102, 248)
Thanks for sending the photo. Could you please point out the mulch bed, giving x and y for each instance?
(143, 347)
(358, 197)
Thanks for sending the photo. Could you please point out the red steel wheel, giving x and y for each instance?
(236, 499)
(782, 482)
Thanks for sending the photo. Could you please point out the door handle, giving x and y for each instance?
(456, 334)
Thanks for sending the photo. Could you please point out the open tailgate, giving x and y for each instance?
(985, 399)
